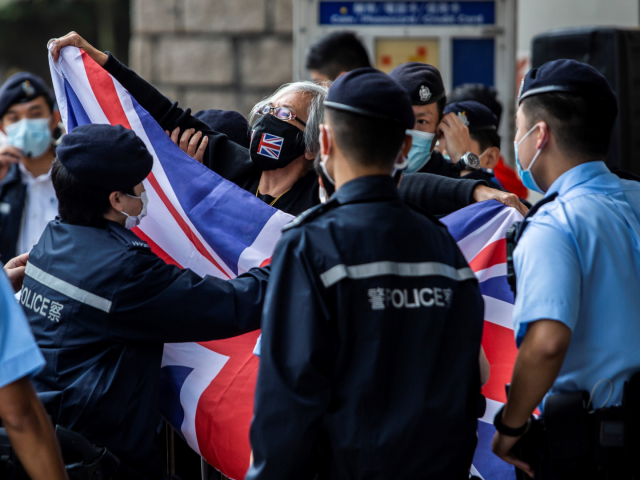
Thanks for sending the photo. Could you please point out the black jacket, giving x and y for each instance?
(436, 194)
(13, 194)
(371, 337)
(101, 306)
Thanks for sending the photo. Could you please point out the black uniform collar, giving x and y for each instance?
(371, 187)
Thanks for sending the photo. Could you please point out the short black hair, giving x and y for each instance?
(79, 203)
(580, 125)
(484, 94)
(486, 139)
(368, 141)
(336, 53)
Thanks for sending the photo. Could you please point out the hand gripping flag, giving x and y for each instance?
(195, 220)
(200, 221)
(480, 231)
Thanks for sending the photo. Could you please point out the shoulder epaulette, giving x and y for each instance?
(312, 213)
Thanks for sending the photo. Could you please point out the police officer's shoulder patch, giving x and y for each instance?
(312, 213)
(128, 239)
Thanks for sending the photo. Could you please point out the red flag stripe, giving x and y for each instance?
(156, 249)
(105, 92)
(183, 225)
(500, 348)
(493, 254)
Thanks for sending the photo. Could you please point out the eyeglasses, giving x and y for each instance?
(282, 113)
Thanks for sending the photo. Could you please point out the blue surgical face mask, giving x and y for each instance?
(31, 135)
(526, 175)
(420, 152)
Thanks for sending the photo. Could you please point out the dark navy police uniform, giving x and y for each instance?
(371, 336)
(101, 306)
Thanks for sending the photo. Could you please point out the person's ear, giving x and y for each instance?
(2, 127)
(325, 140)
(115, 199)
(542, 136)
(55, 120)
(406, 145)
(490, 158)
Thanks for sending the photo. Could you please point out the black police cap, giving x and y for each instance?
(569, 76)
(231, 123)
(422, 81)
(371, 93)
(107, 157)
(20, 88)
(474, 115)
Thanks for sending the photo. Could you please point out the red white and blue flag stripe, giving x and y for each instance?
(270, 146)
(196, 220)
(200, 221)
(480, 231)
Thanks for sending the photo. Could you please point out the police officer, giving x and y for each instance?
(372, 323)
(578, 259)
(428, 96)
(27, 199)
(101, 304)
(22, 415)
(485, 141)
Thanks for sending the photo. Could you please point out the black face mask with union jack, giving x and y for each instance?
(275, 143)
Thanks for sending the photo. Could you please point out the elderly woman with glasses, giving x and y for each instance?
(278, 166)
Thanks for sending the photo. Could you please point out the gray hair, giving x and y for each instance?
(315, 113)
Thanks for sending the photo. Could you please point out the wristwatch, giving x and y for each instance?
(510, 432)
(468, 160)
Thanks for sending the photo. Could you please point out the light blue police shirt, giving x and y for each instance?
(578, 262)
(19, 352)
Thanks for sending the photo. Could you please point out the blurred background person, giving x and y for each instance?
(27, 198)
(335, 54)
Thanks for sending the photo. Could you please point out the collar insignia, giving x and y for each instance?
(425, 93)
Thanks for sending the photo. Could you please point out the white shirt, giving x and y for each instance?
(41, 206)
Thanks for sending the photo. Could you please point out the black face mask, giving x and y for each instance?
(275, 143)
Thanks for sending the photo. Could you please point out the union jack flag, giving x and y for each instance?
(270, 145)
(480, 231)
(200, 221)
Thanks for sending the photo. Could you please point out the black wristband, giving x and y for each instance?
(503, 429)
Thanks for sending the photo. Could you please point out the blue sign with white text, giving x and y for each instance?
(407, 13)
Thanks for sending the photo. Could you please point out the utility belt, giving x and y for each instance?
(569, 441)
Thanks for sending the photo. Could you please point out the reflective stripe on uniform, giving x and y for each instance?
(67, 289)
(377, 269)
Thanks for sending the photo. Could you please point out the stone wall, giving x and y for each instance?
(225, 54)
